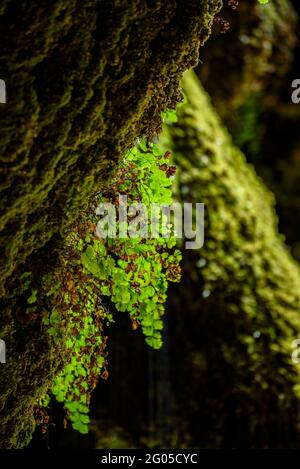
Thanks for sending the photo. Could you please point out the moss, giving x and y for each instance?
(83, 82)
(255, 98)
(242, 289)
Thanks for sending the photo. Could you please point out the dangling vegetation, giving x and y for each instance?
(124, 274)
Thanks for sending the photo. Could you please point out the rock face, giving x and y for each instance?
(83, 81)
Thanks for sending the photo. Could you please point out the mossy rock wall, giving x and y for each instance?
(84, 80)
(260, 55)
(237, 310)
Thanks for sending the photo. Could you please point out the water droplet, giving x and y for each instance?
(206, 293)
(201, 263)
(185, 190)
